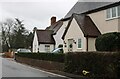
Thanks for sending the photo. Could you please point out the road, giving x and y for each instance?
(10, 68)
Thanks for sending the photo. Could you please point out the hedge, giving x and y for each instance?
(97, 64)
(108, 42)
(105, 65)
(57, 57)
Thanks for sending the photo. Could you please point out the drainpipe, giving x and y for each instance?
(87, 43)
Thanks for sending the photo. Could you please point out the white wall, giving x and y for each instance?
(0, 42)
(58, 36)
(74, 32)
(91, 44)
(99, 18)
(42, 47)
(35, 43)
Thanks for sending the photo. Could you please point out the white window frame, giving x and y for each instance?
(107, 14)
(78, 43)
(111, 13)
(117, 11)
(46, 48)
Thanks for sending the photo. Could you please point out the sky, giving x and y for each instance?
(35, 13)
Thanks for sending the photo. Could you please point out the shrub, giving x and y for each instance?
(43, 56)
(108, 42)
(105, 65)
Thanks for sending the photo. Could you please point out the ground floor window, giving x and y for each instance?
(47, 48)
(79, 43)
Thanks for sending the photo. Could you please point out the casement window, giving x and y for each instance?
(113, 12)
(79, 43)
(47, 48)
(108, 12)
(118, 9)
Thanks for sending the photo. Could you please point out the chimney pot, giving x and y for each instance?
(53, 20)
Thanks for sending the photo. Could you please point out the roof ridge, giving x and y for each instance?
(44, 30)
(83, 7)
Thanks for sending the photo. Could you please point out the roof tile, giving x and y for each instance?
(45, 37)
(85, 23)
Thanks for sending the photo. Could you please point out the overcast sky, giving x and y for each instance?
(35, 13)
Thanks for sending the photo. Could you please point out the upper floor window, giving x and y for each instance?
(108, 12)
(118, 9)
(113, 12)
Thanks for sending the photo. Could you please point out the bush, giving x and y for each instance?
(43, 56)
(108, 42)
(105, 65)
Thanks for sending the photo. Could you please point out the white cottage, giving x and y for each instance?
(80, 34)
(89, 21)
(43, 41)
(58, 30)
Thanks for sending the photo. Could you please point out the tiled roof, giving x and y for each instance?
(85, 23)
(45, 37)
(82, 7)
(55, 27)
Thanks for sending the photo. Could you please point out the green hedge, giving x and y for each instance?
(98, 64)
(105, 65)
(108, 42)
(43, 56)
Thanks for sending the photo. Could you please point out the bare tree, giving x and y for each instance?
(6, 31)
(15, 35)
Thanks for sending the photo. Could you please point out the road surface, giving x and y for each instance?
(10, 68)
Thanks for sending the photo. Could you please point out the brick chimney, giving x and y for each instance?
(53, 20)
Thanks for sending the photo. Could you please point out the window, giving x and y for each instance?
(108, 13)
(118, 9)
(114, 12)
(47, 48)
(79, 43)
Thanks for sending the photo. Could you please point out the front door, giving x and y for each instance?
(70, 45)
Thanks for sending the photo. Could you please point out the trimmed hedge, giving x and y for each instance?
(57, 57)
(105, 65)
(108, 42)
